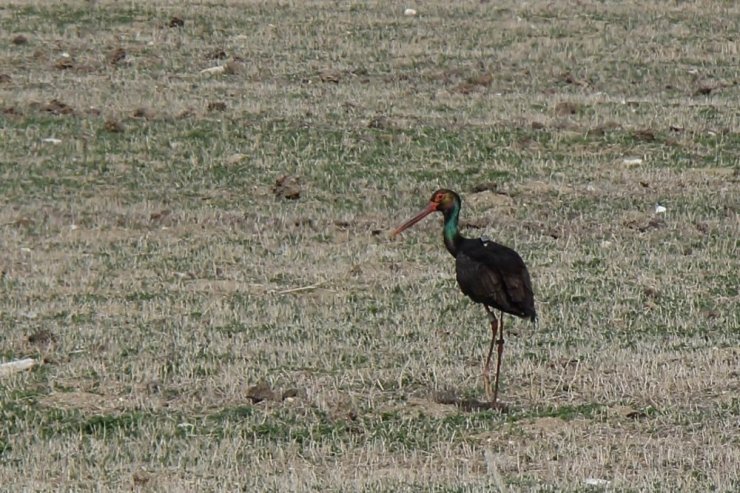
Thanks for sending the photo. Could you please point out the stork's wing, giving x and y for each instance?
(495, 275)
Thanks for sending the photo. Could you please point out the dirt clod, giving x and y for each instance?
(651, 292)
(603, 129)
(42, 337)
(142, 113)
(214, 106)
(233, 67)
(176, 22)
(113, 126)
(569, 78)
(450, 397)
(159, 215)
(445, 396)
(64, 63)
(262, 392)
(565, 108)
(379, 122)
(287, 187)
(140, 478)
(116, 56)
(482, 187)
(185, 114)
(56, 107)
(20, 40)
(644, 135)
(218, 54)
(291, 394)
(704, 90)
(654, 223)
(331, 76)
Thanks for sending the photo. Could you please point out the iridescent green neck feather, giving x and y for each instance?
(451, 231)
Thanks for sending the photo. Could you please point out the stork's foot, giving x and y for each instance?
(490, 403)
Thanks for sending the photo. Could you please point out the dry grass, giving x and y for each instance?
(168, 283)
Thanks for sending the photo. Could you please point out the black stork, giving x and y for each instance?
(487, 272)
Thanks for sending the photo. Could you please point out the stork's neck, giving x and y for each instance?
(451, 232)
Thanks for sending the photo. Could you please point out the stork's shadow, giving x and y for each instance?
(468, 405)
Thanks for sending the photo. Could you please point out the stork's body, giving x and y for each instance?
(487, 272)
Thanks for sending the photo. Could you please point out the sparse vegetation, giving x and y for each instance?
(201, 259)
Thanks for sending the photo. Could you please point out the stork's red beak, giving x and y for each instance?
(432, 207)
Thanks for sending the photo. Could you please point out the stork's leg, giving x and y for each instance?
(498, 359)
(487, 366)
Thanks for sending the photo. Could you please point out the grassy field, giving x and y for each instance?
(200, 328)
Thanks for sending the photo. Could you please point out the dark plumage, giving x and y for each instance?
(495, 275)
(487, 272)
